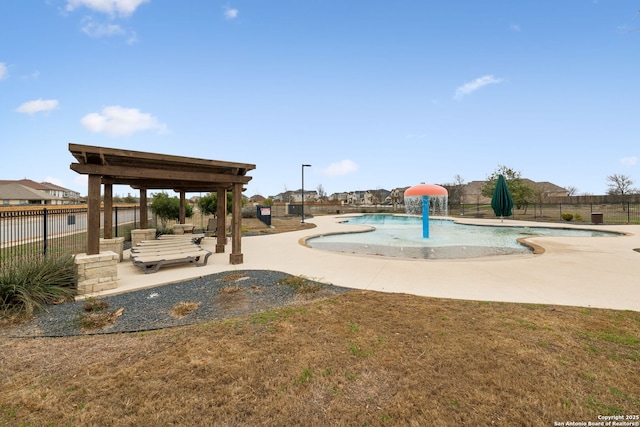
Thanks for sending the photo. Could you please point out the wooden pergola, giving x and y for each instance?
(150, 171)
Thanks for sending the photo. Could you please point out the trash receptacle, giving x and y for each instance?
(597, 218)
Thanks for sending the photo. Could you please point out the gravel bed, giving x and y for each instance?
(220, 296)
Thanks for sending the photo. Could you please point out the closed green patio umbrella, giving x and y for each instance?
(502, 202)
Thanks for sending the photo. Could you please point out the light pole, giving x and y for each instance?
(303, 166)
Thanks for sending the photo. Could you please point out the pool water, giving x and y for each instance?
(401, 236)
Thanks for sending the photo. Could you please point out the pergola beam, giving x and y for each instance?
(124, 175)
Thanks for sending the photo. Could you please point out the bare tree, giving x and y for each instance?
(619, 185)
(540, 193)
(376, 196)
(456, 192)
(571, 190)
(322, 194)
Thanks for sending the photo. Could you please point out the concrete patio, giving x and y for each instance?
(599, 272)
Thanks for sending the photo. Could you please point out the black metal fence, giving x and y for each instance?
(608, 213)
(612, 213)
(54, 231)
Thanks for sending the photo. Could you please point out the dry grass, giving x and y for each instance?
(183, 308)
(301, 284)
(362, 358)
(278, 225)
(96, 315)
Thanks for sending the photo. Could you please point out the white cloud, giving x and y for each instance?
(231, 13)
(342, 167)
(31, 76)
(629, 161)
(4, 72)
(32, 107)
(471, 87)
(514, 27)
(96, 29)
(118, 121)
(110, 7)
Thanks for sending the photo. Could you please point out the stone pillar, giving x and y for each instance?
(112, 245)
(138, 236)
(97, 272)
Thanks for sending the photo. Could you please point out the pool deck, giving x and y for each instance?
(602, 272)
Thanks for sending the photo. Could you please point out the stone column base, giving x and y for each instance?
(113, 245)
(97, 272)
(139, 235)
(236, 259)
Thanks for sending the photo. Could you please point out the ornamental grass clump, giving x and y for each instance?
(32, 283)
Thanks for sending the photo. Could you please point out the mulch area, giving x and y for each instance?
(213, 297)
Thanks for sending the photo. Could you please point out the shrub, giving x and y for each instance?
(579, 218)
(32, 283)
(567, 216)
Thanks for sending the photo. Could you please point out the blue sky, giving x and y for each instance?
(374, 94)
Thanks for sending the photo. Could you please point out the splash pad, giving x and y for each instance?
(425, 199)
(399, 236)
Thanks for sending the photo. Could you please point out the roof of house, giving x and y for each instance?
(256, 198)
(42, 186)
(25, 182)
(13, 191)
(476, 186)
(55, 187)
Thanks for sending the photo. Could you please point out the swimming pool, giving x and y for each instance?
(401, 236)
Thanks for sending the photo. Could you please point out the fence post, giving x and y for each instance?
(44, 232)
(628, 212)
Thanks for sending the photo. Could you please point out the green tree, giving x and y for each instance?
(209, 204)
(268, 201)
(167, 208)
(130, 199)
(521, 192)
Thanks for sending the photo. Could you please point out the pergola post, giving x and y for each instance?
(236, 226)
(108, 210)
(144, 217)
(183, 213)
(93, 216)
(221, 218)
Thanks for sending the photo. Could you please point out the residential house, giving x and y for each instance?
(296, 196)
(256, 199)
(368, 197)
(41, 193)
(472, 191)
(13, 194)
(396, 196)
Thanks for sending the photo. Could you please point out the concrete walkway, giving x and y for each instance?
(579, 271)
